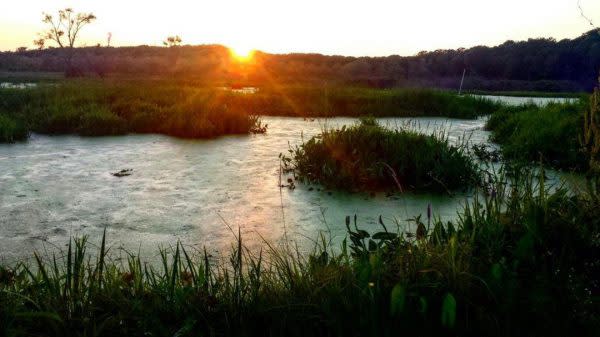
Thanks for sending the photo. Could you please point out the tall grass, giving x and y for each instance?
(368, 156)
(520, 260)
(330, 101)
(527, 132)
(11, 129)
(95, 108)
(107, 108)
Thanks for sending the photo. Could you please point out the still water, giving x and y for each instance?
(195, 191)
(188, 190)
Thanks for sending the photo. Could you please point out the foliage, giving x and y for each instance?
(187, 110)
(11, 130)
(105, 108)
(355, 102)
(368, 156)
(552, 132)
(533, 65)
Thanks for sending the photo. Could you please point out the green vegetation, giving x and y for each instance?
(96, 108)
(356, 102)
(368, 156)
(520, 260)
(553, 132)
(109, 108)
(529, 94)
(11, 130)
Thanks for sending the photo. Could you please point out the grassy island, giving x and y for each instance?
(368, 156)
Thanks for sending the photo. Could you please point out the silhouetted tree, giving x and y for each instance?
(172, 41)
(64, 30)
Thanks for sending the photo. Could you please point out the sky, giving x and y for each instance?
(342, 27)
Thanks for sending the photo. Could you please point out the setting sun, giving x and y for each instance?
(242, 54)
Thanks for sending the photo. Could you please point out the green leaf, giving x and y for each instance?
(449, 311)
(397, 299)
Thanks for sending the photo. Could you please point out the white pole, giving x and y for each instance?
(462, 80)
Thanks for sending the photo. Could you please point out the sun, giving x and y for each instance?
(242, 54)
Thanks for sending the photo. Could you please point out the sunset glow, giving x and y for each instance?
(356, 28)
(241, 54)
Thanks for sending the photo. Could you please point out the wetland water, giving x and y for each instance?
(52, 187)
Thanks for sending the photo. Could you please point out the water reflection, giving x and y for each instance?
(196, 191)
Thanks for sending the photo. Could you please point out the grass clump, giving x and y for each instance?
(368, 156)
(553, 132)
(12, 130)
(521, 260)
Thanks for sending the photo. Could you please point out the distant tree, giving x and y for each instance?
(172, 41)
(39, 43)
(21, 49)
(64, 30)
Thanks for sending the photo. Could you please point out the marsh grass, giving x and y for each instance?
(369, 157)
(520, 259)
(328, 101)
(95, 108)
(12, 130)
(552, 132)
(92, 108)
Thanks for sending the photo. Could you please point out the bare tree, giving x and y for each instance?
(172, 41)
(64, 30)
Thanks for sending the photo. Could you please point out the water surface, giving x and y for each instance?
(196, 191)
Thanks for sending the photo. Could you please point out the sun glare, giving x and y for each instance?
(241, 54)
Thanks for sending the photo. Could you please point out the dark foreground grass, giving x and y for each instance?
(368, 156)
(111, 107)
(520, 261)
(552, 132)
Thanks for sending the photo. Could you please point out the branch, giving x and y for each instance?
(584, 16)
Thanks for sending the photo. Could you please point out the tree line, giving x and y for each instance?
(543, 64)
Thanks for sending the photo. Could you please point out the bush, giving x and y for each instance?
(369, 157)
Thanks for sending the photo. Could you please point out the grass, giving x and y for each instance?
(96, 108)
(520, 260)
(552, 132)
(529, 94)
(357, 102)
(92, 108)
(11, 130)
(368, 156)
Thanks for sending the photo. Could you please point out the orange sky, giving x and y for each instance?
(347, 27)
